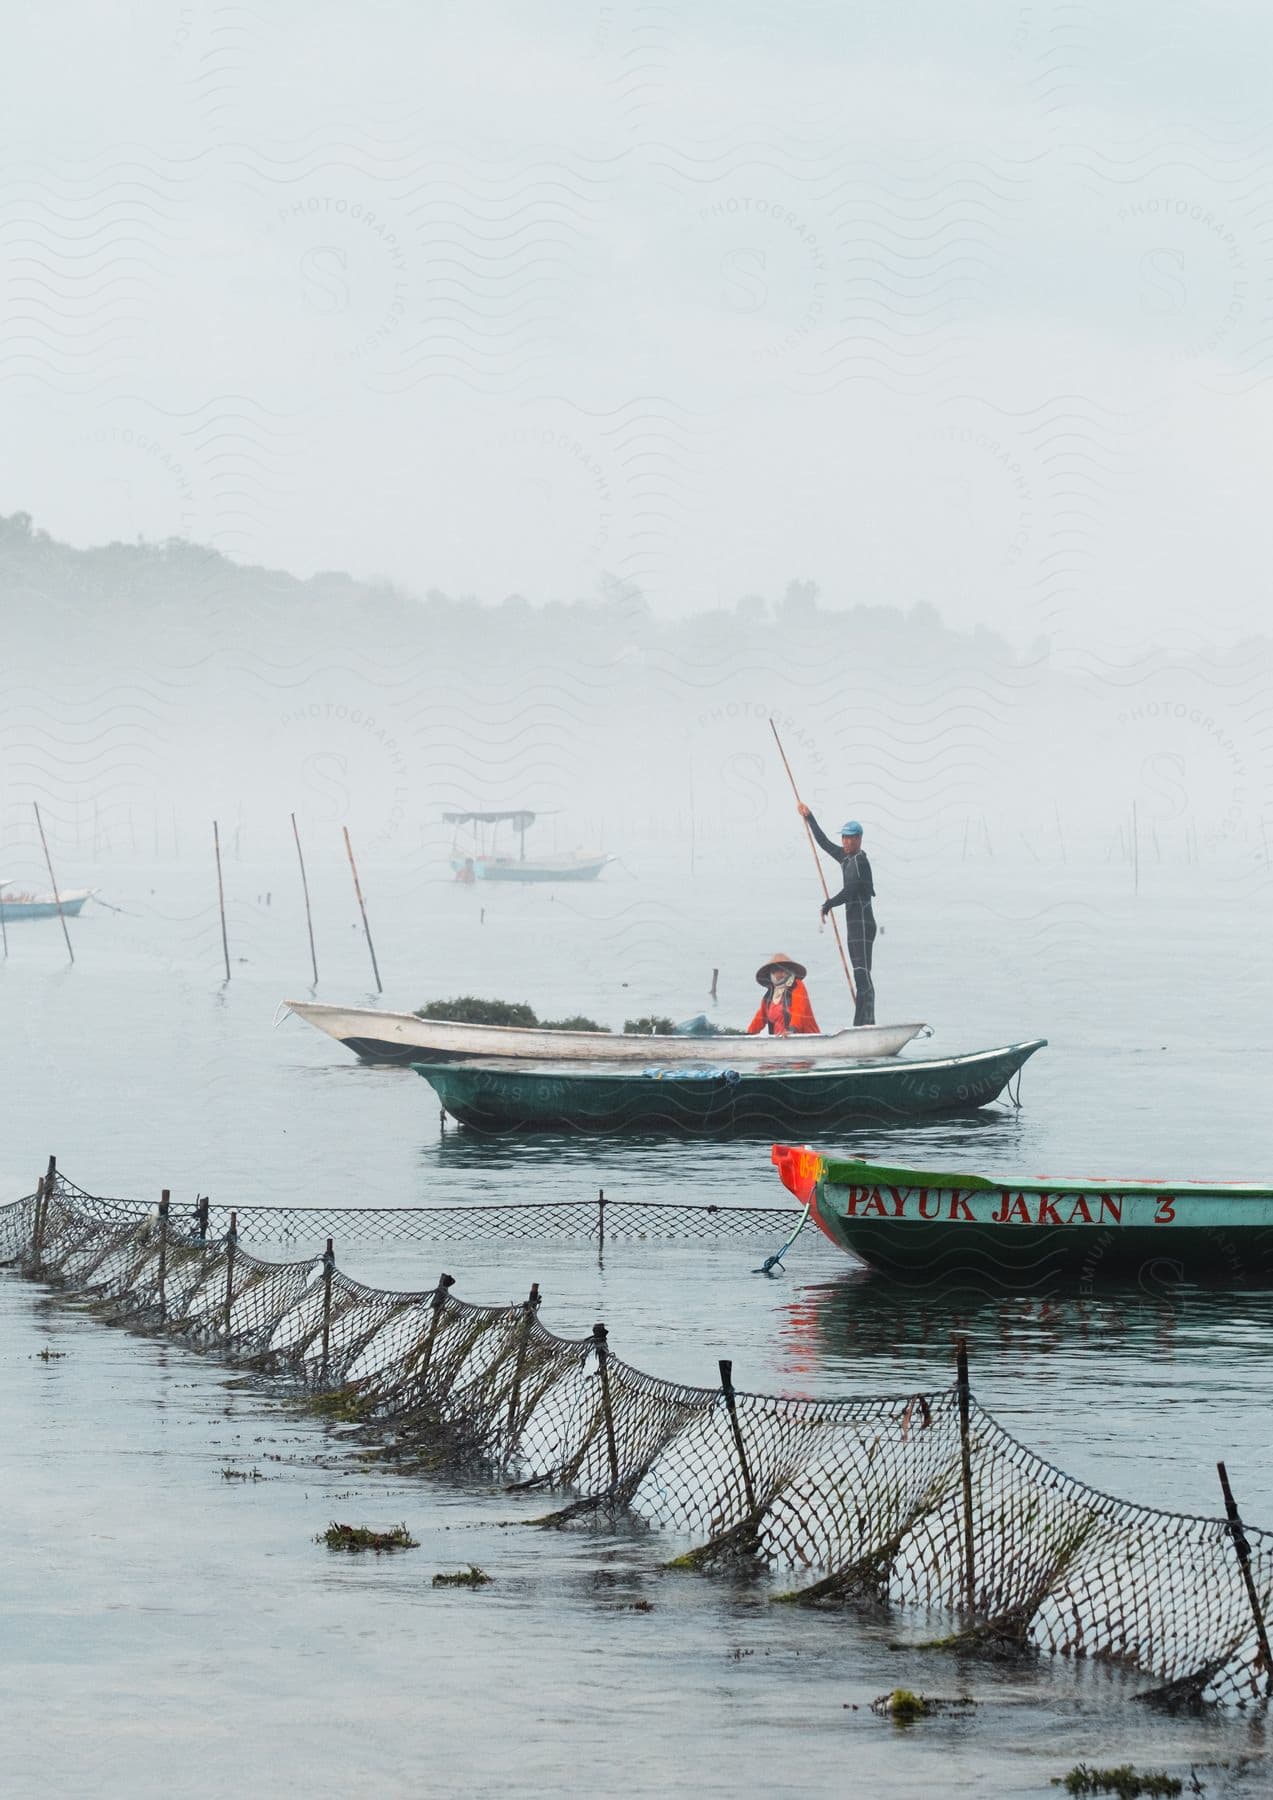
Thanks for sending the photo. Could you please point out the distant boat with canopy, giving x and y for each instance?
(486, 862)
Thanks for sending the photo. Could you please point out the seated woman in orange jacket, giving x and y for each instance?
(785, 1008)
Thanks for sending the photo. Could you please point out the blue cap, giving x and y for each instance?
(850, 828)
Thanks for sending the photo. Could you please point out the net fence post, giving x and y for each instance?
(530, 1306)
(329, 1269)
(201, 1217)
(438, 1303)
(601, 1220)
(601, 1343)
(731, 1407)
(37, 1225)
(231, 1256)
(43, 1194)
(1243, 1548)
(964, 1394)
(163, 1254)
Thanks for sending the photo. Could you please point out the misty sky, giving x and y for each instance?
(964, 305)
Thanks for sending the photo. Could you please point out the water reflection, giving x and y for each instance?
(970, 1141)
(858, 1317)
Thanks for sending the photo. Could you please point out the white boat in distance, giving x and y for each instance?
(378, 1036)
(486, 865)
(68, 901)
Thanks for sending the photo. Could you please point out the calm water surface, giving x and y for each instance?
(175, 1630)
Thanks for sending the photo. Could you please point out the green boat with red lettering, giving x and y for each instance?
(954, 1229)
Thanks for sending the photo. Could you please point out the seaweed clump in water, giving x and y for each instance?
(472, 1577)
(904, 1708)
(1125, 1782)
(362, 1537)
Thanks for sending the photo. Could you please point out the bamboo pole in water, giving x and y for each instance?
(305, 888)
(375, 969)
(57, 898)
(964, 1393)
(826, 892)
(225, 942)
(1243, 1548)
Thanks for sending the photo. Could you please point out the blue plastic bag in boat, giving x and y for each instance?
(691, 1074)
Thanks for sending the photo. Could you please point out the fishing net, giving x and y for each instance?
(592, 1220)
(912, 1500)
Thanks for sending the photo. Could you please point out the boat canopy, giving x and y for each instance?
(520, 820)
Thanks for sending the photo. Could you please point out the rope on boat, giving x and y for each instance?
(772, 1265)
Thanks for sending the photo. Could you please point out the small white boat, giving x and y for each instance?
(69, 901)
(378, 1036)
(484, 863)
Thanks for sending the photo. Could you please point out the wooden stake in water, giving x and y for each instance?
(329, 1270)
(44, 1192)
(225, 943)
(964, 1393)
(37, 1223)
(362, 909)
(1264, 1661)
(530, 1307)
(165, 1201)
(57, 898)
(600, 1342)
(731, 1406)
(231, 1255)
(438, 1303)
(305, 889)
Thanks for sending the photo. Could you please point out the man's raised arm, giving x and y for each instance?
(830, 848)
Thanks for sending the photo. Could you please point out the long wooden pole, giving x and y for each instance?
(826, 892)
(57, 898)
(305, 887)
(225, 942)
(964, 1394)
(1265, 1660)
(375, 969)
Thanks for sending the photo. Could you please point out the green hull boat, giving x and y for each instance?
(999, 1232)
(504, 1097)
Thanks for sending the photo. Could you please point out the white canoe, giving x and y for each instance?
(379, 1036)
(69, 901)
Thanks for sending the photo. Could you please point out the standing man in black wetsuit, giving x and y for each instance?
(855, 897)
